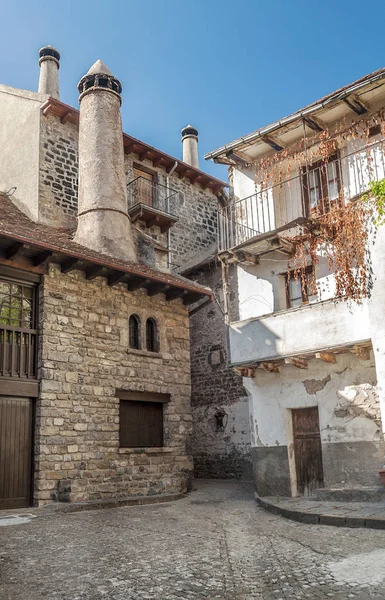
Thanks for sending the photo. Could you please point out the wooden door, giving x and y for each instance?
(307, 450)
(16, 431)
(145, 186)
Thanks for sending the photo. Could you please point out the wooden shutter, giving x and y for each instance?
(141, 424)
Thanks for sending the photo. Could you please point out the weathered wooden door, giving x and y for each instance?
(16, 431)
(307, 450)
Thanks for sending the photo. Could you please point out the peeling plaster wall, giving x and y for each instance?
(349, 416)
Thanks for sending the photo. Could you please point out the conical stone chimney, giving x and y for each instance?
(103, 221)
(190, 146)
(49, 71)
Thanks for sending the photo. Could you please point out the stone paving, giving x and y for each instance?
(214, 544)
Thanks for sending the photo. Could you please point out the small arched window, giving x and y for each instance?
(152, 344)
(134, 332)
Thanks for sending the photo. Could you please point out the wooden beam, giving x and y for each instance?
(246, 258)
(64, 118)
(156, 162)
(115, 277)
(194, 178)
(191, 297)
(300, 363)
(175, 293)
(143, 155)
(157, 288)
(41, 258)
(94, 271)
(135, 283)
(271, 367)
(356, 104)
(154, 221)
(182, 173)
(69, 265)
(327, 357)
(273, 142)
(13, 250)
(362, 352)
(315, 124)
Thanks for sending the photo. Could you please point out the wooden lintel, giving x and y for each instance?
(300, 363)
(157, 288)
(175, 293)
(69, 265)
(327, 357)
(41, 258)
(13, 250)
(115, 277)
(94, 271)
(362, 352)
(273, 142)
(137, 282)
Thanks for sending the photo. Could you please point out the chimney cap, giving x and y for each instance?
(99, 77)
(99, 67)
(189, 130)
(49, 52)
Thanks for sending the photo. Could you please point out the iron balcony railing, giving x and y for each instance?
(150, 193)
(311, 192)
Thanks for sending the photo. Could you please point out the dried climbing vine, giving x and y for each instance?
(344, 235)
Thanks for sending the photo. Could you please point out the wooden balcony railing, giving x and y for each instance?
(18, 351)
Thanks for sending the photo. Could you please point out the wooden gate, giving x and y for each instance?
(16, 432)
(307, 450)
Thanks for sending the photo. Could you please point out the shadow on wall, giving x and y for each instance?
(248, 343)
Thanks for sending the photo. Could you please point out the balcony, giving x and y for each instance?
(283, 207)
(152, 203)
(297, 332)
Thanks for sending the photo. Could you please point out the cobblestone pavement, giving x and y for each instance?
(216, 543)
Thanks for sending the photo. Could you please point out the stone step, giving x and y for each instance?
(358, 494)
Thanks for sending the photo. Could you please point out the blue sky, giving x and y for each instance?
(227, 67)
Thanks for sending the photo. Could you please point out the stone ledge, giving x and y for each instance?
(71, 507)
(145, 353)
(147, 450)
(338, 514)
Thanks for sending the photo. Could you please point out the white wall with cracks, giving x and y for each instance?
(345, 394)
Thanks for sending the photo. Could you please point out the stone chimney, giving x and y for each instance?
(190, 146)
(103, 221)
(49, 72)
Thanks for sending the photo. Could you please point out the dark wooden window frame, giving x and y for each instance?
(152, 335)
(134, 332)
(19, 343)
(141, 419)
(320, 168)
(305, 294)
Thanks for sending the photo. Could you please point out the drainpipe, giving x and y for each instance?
(168, 189)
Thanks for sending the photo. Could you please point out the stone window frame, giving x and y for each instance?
(143, 345)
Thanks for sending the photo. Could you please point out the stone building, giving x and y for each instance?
(313, 365)
(94, 323)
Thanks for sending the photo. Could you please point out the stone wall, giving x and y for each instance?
(218, 451)
(195, 208)
(84, 359)
(58, 187)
